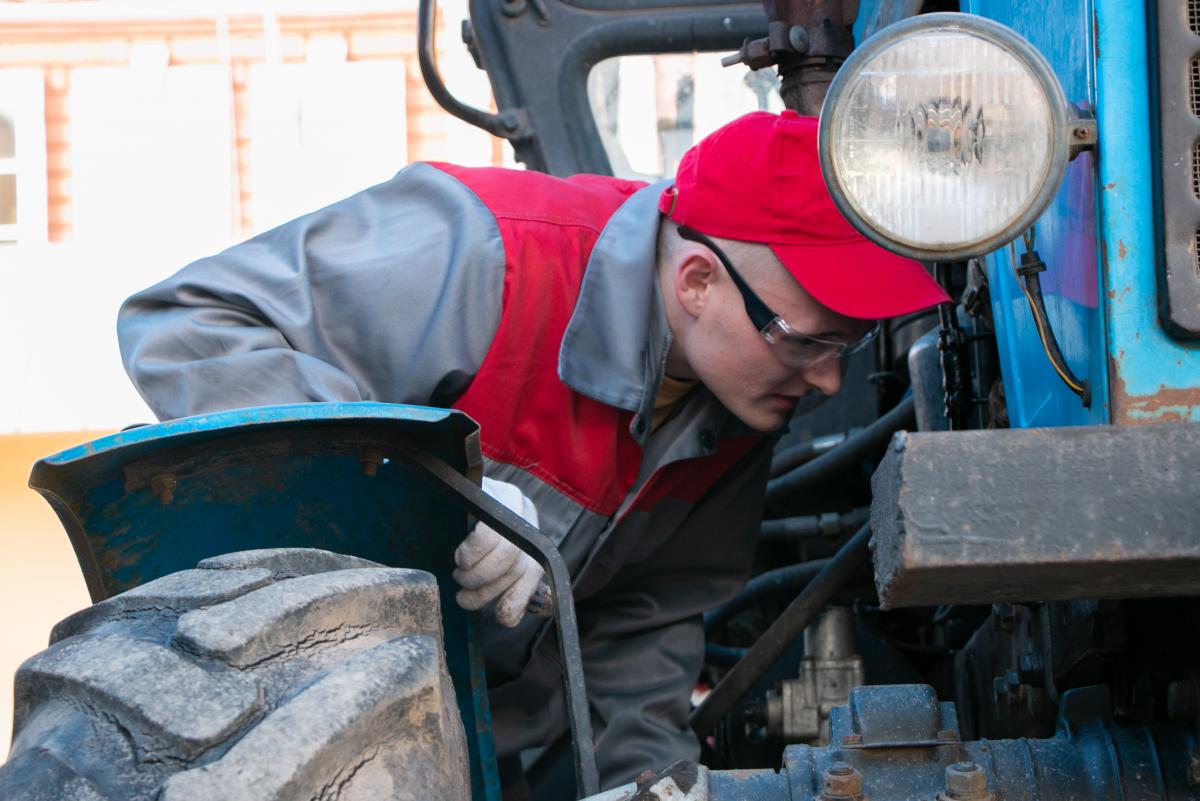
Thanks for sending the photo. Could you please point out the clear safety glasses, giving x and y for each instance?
(791, 347)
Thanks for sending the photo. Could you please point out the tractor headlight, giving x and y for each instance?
(944, 136)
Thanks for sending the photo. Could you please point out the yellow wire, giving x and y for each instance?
(1037, 323)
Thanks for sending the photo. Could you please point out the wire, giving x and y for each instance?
(1040, 322)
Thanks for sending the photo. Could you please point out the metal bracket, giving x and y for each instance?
(541, 548)
(508, 124)
(1085, 133)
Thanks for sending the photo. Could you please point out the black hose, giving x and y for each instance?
(786, 529)
(787, 627)
(791, 458)
(790, 579)
(845, 456)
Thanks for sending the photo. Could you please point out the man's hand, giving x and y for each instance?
(491, 567)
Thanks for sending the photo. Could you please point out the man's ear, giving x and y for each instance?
(694, 279)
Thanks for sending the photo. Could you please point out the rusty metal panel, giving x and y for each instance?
(1038, 514)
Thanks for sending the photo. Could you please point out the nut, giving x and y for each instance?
(842, 781)
(966, 781)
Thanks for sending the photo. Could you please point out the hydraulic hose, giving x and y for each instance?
(789, 529)
(790, 579)
(793, 457)
(776, 639)
(846, 455)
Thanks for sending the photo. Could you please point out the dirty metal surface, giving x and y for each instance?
(898, 743)
(1035, 515)
(1066, 239)
(1152, 377)
(154, 500)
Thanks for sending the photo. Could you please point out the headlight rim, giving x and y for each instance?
(1002, 36)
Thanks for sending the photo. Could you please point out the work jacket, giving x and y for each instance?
(531, 303)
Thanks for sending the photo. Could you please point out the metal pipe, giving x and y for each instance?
(840, 459)
(786, 628)
(508, 124)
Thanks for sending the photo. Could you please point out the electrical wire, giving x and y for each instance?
(1042, 324)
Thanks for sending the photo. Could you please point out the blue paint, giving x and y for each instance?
(1144, 359)
(285, 476)
(1065, 239)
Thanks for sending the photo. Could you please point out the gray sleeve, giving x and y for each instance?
(391, 295)
(644, 646)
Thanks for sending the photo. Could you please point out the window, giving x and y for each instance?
(22, 157)
(651, 109)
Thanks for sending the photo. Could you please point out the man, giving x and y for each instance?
(626, 349)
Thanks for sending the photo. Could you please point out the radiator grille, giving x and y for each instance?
(1196, 253)
(1195, 90)
(1177, 63)
(1196, 169)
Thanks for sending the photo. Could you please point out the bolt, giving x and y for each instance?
(966, 781)
(949, 735)
(852, 739)
(1081, 133)
(842, 781)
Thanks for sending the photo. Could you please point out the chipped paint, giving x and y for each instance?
(1121, 250)
(1164, 405)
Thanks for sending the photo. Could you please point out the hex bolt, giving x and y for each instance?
(842, 781)
(966, 781)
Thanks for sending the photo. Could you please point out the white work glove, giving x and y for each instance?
(491, 567)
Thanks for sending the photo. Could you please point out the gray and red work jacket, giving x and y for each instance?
(530, 303)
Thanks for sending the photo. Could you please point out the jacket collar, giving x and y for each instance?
(614, 349)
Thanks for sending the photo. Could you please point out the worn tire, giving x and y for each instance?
(277, 674)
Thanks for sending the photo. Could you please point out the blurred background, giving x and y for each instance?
(138, 135)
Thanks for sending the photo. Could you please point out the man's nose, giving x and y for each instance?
(824, 376)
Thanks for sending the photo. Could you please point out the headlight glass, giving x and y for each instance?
(943, 139)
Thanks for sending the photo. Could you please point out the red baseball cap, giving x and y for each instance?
(758, 179)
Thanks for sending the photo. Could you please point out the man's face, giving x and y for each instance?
(726, 352)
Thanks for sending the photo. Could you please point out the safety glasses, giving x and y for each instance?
(791, 347)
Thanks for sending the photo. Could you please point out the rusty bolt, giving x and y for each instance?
(851, 739)
(1081, 133)
(842, 781)
(966, 781)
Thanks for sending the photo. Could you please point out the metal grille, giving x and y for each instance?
(1196, 253)
(1196, 169)
(1194, 16)
(1196, 86)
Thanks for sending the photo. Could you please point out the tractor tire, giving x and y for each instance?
(277, 674)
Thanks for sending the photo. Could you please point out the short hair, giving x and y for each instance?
(746, 256)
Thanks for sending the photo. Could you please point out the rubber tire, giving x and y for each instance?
(279, 674)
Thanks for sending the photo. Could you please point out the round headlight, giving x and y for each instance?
(944, 136)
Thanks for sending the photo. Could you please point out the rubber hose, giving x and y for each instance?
(775, 640)
(845, 456)
(805, 452)
(792, 578)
